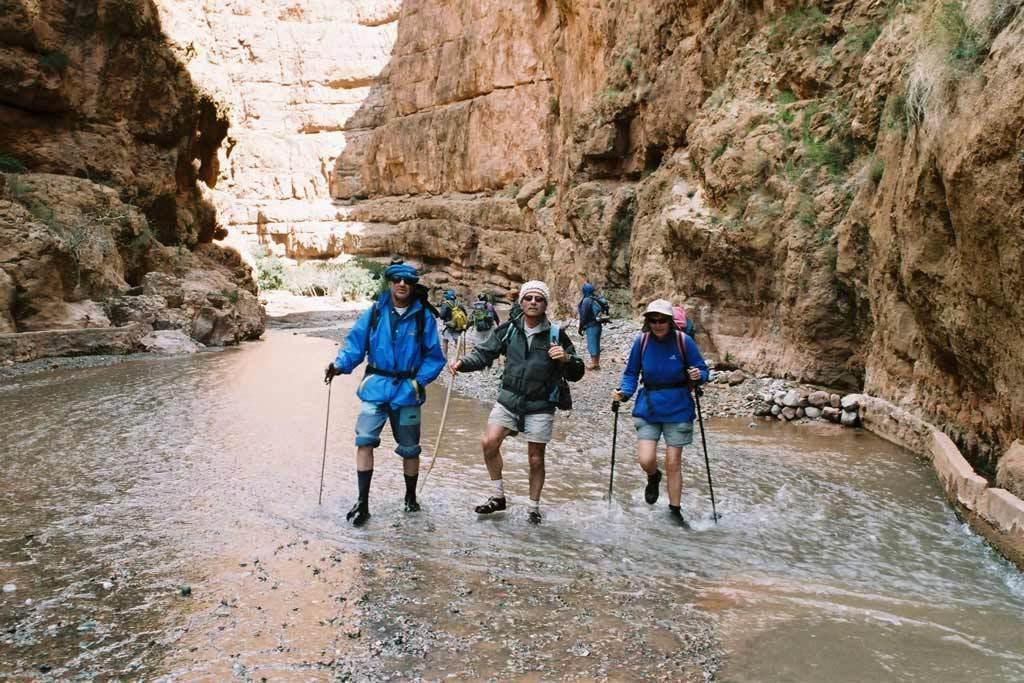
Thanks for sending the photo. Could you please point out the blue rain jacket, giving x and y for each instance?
(662, 365)
(394, 350)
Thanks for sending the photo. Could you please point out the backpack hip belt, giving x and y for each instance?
(373, 370)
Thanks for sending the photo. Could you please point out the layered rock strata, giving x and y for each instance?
(291, 77)
(835, 188)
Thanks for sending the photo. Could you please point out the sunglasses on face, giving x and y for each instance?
(538, 299)
(657, 320)
(406, 280)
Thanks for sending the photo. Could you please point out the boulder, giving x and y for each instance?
(763, 409)
(834, 401)
(831, 414)
(849, 419)
(143, 309)
(529, 190)
(776, 410)
(736, 377)
(779, 396)
(789, 413)
(169, 342)
(1010, 471)
(791, 399)
(818, 399)
(800, 412)
(165, 285)
(812, 412)
(851, 402)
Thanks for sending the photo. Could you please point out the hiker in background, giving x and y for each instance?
(537, 356)
(403, 356)
(592, 311)
(483, 319)
(453, 316)
(666, 362)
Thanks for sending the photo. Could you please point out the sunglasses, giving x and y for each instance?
(530, 297)
(657, 320)
(406, 280)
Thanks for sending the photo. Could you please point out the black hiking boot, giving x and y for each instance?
(533, 517)
(493, 504)
(359, 513)
(676, 515)
(411, 505)
(653, 485)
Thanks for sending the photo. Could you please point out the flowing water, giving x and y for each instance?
(159, 519)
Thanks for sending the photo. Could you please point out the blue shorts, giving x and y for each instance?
(593, 340)
(405, 426)
(676, 433)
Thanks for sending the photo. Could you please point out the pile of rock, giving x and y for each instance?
(796, 404)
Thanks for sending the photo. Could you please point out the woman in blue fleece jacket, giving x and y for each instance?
(666, 362)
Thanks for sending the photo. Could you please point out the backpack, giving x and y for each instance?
(606, 307)
(482, 318)
(458, 321)
(682, 322)
(563, 396)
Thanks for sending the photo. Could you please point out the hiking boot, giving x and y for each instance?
(653, 486)
(676, 515)
(411, 505)
(493, 504)
(359, 513)
(533, 517)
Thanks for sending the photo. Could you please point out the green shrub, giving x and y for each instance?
(11, 164)
(861, 38)
(553, 106)
(877, 170)
(967, 46)
(549, 191)
(55, 61)
(795, 22)
(719, 150)
(269, 272)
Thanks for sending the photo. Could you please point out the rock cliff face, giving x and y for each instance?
(834, 187)
(289, 74)
(106, 143)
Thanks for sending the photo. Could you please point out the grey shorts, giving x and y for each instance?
(537, 427)
(676, 433)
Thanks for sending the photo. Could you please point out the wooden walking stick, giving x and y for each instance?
(459, 348)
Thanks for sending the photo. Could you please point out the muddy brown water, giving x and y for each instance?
(159, 520)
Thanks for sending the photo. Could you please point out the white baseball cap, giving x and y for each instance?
(661, 306)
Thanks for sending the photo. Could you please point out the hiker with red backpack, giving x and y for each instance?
(664, 362)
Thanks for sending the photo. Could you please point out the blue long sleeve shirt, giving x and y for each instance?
(394, 346)
(661, 364)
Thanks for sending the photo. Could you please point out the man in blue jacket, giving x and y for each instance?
(403, 356)
(590, 311)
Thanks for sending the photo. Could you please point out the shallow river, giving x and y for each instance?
(159, 519)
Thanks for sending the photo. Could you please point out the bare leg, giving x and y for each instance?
(647, 455)
(494, 435)
(673, 470)
(536, 456)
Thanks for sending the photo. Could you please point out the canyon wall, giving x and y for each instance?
(835, 188)
(289, 75)
(107, 147)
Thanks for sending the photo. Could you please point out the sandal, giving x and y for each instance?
(493, 504)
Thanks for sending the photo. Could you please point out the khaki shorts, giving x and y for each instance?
(537, 427)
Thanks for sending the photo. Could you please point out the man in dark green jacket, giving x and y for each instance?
(535, 362)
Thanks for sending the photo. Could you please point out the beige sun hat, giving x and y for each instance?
(661, 306)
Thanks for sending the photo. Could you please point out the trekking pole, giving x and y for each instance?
(697, 391)
(615, 436)
(444, 413)
(323, 463)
